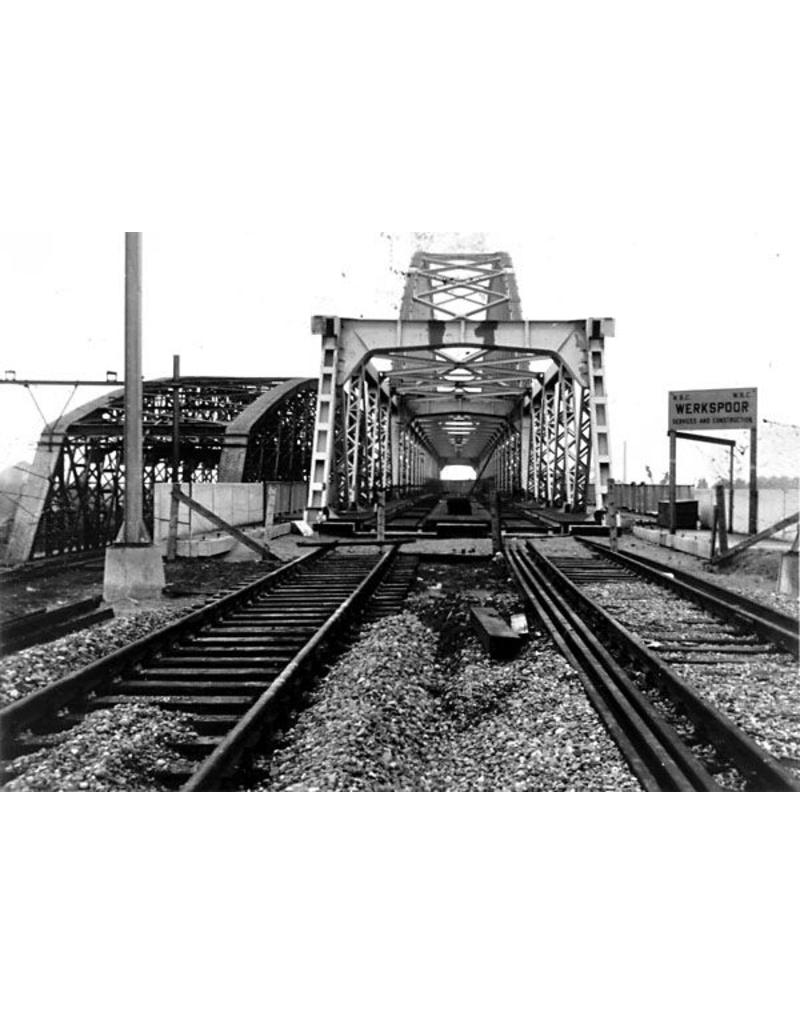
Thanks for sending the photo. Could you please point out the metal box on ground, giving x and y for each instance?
(496, 636)
(338, 528)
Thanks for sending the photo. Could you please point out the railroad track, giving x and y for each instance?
(39, 567)
(413, 518)
(519, 521)
(230, 665)
(772, 625)
(647, 682)
(43, 625)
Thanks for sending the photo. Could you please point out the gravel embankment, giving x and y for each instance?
(411, 707)
(117, 749)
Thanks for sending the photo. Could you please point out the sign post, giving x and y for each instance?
(673, 474)
(716, 409)
(752, 512)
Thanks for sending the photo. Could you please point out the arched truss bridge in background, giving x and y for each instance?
(232, 430)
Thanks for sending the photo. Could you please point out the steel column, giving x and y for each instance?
(325, 424)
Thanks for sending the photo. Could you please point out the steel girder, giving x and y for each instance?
(232, 429)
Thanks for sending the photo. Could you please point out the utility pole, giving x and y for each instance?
(133, 528)
(133, 565)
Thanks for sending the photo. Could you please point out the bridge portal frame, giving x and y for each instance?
(556, 429)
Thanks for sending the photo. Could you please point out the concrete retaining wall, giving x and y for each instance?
(238, 504)
(694, 543)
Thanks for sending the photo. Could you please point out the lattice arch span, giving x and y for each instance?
(232, 430)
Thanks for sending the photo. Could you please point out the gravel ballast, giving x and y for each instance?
(416, 705)
(759, 692)
(35, 667)
(123, 748)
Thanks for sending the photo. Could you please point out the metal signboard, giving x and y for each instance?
(719, 409)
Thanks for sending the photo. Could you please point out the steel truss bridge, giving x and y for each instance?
(232, 430)
(460, 379)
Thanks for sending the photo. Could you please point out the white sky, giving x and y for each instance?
(635, 166)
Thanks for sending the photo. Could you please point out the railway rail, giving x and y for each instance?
(45, 624)
(230, 665)
(413, 518)
(642, 686)
(520, 521)
(43, 567)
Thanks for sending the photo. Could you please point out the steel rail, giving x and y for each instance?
(12, 574)
(50, 699)
(249, 729)
(656, 754)
(42, 626)
(761, 768)
(775, 626)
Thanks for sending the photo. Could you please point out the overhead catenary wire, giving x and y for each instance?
(787, 426)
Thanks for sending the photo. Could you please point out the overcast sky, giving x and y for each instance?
(636, 166)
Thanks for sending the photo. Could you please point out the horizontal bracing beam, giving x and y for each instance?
(474, 406)
(564, 341)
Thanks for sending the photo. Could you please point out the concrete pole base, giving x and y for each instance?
(788, 575)
(133, 571)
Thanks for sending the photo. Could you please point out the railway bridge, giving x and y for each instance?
(641, 664)
(460, 379)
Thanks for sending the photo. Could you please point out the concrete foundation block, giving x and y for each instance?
(133, 571)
